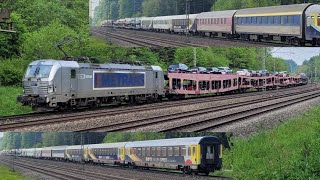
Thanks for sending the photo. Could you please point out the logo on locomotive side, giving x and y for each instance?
(84, 76)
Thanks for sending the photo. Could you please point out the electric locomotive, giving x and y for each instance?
(53, 84)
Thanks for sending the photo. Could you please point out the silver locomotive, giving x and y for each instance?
(54, 84)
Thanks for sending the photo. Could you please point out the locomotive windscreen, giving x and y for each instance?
(104, 80)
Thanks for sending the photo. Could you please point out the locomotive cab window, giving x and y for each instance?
(156, 75)
(73, 73)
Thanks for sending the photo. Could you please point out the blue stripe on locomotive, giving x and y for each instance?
(118, 80)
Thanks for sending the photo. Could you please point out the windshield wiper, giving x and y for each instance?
(36, 72)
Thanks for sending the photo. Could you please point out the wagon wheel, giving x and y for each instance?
(98, 103)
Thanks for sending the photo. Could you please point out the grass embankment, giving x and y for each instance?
(8, 103)
(290, 151)
(7, 174)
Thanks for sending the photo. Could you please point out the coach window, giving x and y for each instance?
(254, 20)
(170, 152)
(270, 20)
(225, 20)
(296, 20)
(73, 73)
(248, 20)
(277, 20)
(143, 151)
(148, 151)
(139, 152)
(164, 151)
(238, 20)
(290, 20)
(176, 151)
(259, 19)
(156, 75)
(183, 151)
(158, 151)
(318, 21)
(244, 20)
(153, 151)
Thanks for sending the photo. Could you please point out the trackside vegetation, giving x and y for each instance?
(8, 105)
(290, 151)
(7, 174)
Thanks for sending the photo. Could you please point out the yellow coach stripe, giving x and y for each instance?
(270, 14)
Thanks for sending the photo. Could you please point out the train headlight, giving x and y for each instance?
(50, 89)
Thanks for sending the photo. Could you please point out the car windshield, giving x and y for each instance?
(173, 66)
(42, 71)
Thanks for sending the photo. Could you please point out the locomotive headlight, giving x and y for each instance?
(50, 89)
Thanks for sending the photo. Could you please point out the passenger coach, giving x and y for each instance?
(194, 155)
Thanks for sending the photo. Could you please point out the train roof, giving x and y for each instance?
(274, 10)
(211, 14)
(147, 18)
(55, 148)
(191, 16)
(76, 147)
(172, 142)
(108, 145)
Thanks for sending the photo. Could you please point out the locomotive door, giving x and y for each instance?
(73, 83)
(156, 82)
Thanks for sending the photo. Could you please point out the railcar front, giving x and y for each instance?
(48, 83)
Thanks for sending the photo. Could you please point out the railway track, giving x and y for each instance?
(64, 172)
(89, 171)
(143, 41)
(208, 124)
(65, 117)
(146, 34)
(135, 124)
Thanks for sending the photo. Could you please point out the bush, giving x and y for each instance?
(12, 72)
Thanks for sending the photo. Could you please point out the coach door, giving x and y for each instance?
(122, 155)
(195, 154)
(208, 153)
(73, 83)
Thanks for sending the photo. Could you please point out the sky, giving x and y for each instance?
(93, 4)
(297, 54)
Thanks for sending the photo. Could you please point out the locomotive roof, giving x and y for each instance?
(72, 64)
(274, 10)
(217, 14)
(75, 64)
(170, 142)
